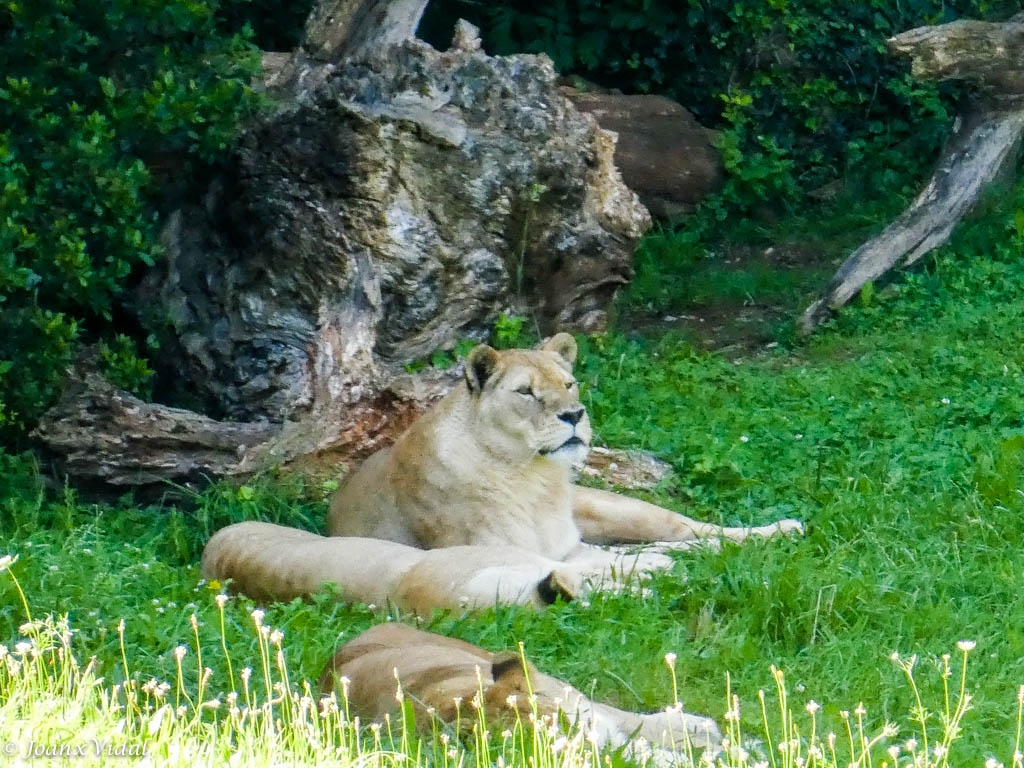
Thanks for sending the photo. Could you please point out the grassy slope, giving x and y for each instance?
(895, 433)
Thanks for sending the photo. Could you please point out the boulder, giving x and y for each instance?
(663, 153)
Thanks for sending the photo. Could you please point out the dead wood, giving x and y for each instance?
(985, 141)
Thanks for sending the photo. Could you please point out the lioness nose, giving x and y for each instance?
(572, 417)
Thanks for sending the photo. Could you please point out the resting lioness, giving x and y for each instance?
(272, 562)
(483, 482)
(438, 674)
(490, 464)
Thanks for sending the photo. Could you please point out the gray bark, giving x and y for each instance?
(105, 436)
(340, 29)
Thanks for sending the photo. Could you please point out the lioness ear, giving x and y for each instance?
(562, 344)
(480, 364)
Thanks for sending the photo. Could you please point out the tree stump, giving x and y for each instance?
(985, 141)
(395, 201)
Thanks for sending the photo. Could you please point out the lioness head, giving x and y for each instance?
(527, 402)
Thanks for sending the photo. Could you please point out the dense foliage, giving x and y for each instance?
(803, 89)
(102, 106)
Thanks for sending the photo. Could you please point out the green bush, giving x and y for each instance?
(802, 89)
(103, 103)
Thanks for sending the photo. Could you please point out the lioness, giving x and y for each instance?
(472, 505)
(436, 673)
(490, 464)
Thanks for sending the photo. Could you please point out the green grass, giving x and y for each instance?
(896, 433)
(765, 261)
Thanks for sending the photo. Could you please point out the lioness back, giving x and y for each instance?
(489, 464)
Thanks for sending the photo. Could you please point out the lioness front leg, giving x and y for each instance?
(608, 518)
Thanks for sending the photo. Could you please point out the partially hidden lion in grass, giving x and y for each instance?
(474, 502)
(443, 678)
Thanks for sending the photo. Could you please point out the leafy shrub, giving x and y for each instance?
(102, 103)
(803, 89)
(121, 364)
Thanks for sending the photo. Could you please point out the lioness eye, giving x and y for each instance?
(570, 384)
(525, 390)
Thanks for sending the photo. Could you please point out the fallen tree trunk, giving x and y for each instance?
(107, 437)
(985, 141)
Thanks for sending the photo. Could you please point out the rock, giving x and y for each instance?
(663, 153)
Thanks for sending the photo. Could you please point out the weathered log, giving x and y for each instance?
(105, 438)
(985, 141)
(389, 208)
(987, 54)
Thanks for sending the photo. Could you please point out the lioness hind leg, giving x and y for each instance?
(607, 518)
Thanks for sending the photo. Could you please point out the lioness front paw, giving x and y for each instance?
(789, 527)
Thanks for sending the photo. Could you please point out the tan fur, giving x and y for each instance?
(272, 562)
(480, 468)
(434, 671)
